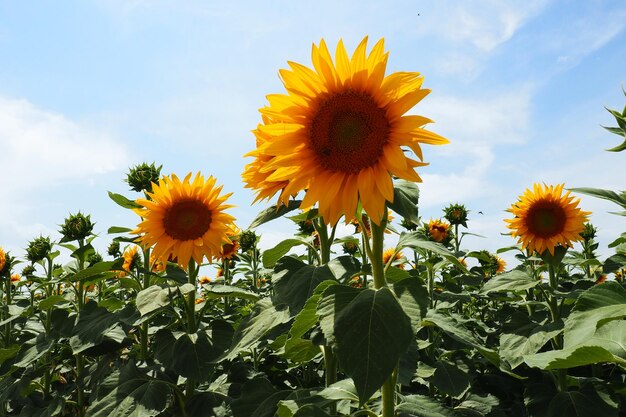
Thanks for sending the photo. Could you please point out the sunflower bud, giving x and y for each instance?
(76, 227)
(248, 240)
(141, 177)
(114, 249)
(306, 227)
(456, 214)
(588, 232)
(408, 225)
(38, 249)
(28, 270)
(350, 247)
(94, 258)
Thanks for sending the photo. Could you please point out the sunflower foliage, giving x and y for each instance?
(187, 314)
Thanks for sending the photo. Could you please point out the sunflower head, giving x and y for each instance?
(350, 247)
(546, 217)
(157, 265)
(589, 232)
(15, 278)
(28, 270)
(141, 177)
(76, 227)
(439, 231)
(204, 280)
(185, 219)
(114, 249)
(456, 214)
(491, 264)
(38, 249)
(229, 250)
(131, 258)
(248, 240)
(3, 259)
(340, 133)
(396, 258)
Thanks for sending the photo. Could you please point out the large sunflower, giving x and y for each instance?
(545, 218)
(340, 133)
(184, 219)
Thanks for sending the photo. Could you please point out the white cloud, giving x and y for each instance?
(38, 150)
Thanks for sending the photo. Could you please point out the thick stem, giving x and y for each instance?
(555, 313)
(191, 318)
(145, 325)
(376, 257)
(388, 392)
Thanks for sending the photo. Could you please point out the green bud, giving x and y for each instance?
(94, 258)
(114, 249)
(28, 270)
(248, 240)
(456, 214)
(76, 227)
(38, 249)
(350, 247)
(141, 177)
(589, 232)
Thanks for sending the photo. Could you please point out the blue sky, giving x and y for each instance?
(88, 88)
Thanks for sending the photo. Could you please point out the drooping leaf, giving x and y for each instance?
(372, 332)
(153, 298)
(405, 200)
(122, 201)
(526, 340)
(509, 281)
(274, 212)
(619, 199)
(271, 256)
(583, 403)
(449, 379)
(413, 297)
(423, 406)
(95, 325)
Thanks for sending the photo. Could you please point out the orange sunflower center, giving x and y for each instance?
(546, 219)
(187, 220)
(348, 132)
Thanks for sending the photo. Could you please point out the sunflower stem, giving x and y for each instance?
(191, 315)
(144, 325)
(557, 342)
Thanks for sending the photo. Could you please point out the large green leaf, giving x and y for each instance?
(413, 297)
(30, 353)
(192, 355)
(372, 332)
(423, 406)
(619, 199)
(213, 291)
(583, 403)
(153, 298)
(135, 396)
(271, 256)
(295, 281)
(333, 301)
(449, 379)
(258, 398)
(95, 325)
(274, 212)
(264, 317)
(526, 340)
(509, 281)
(405, 199)
(597, 305)
(414, 241)
(453, 326)
(608, 344)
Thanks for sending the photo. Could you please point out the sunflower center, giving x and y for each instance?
(348, 132)
(546, 219)
(187, 220)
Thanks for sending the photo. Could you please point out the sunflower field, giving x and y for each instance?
(189, 314)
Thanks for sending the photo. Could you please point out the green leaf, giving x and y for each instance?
(405, 200)
(193, 355)
(271, 256)
(509, 281)
(8, 353)
(595, 306)
(131, 398)
(413, 297)
(614, 263)
(122, 201)
(526, 340)
(116, 229)
(30, 353)
(264, 317)
(344, 267)
(449, 379)
(213, 291)
(414, 241)
(96, 270)
(341, 390)
(423, 406)
(332, 302)
(307, 317)
(259, 398)
(583, 403)
(274, 212)
(372, 332)
(152, 298)
(294, 282)
(453, 327)
(608, 345)
(95, 325)
(619, 199)
(51, 301)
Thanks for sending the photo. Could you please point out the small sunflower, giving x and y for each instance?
(229, 250)
(131, 257)
(545, 217)
(439, 230)
(157, 265)
(184, 219)
(501, 264)
(396, 260)
(3, 259)
(15, 278)
(340, 133)
(204, 280)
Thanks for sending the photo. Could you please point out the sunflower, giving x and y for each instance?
(438, 230)
(545, 218)
(3, 259)
(204, 280)
(229, 250)
(15, 278)
(340, 133)
(157, 265)
(397, 258)
(184, 219)
(501, 264)
(131, 256)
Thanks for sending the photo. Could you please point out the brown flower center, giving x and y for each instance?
(348, 132)
(187, 220)
(546, 219)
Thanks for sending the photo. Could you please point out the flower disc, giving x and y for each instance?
(545, 218)
(184, 220)
(340, 134)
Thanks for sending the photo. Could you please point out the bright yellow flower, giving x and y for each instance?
(340, 133)
(501, 265)
(15, 278)
(3, 259)
(204, 280)
(545, 218)
(229, 250)
(157, 265)
(130, 257)
(184, 219)
(387, 256)
(438, 230)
